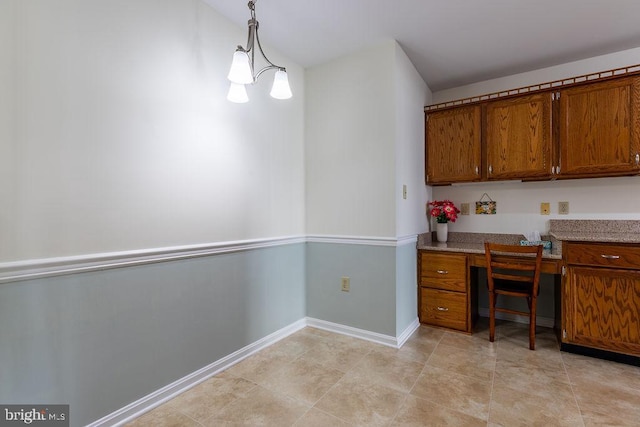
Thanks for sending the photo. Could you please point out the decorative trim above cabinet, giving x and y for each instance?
(541, 87)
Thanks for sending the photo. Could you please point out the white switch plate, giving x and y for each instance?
(563, 208)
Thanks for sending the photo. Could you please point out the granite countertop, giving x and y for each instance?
(613, 231)
(610, 231)
(474, 243)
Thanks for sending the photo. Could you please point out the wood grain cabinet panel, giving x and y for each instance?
(600, 129)
(604, 255)
(605, 308)
(444, 308)
(448, 272)
(453, 145)
(601, 296)
(519, 137)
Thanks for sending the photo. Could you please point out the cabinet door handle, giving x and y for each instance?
(442, 309)
(637, 159)
(478, 169)
(445, 271)
(610, 256)
(553, 170)
(490, 169)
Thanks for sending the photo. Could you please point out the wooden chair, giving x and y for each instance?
(513, 271)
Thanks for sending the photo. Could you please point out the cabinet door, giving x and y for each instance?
(453, 145)
(519, 137)
(604, 309)
(600, 129)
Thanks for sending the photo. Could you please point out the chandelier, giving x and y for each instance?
(243, 70)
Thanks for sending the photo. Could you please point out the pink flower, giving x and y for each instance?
(444, 211)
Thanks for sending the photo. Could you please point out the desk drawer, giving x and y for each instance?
(444, 308)
(603, 255)
(444, 271)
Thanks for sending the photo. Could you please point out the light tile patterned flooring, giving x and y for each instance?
(317, 378)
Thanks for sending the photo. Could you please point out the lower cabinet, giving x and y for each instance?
(601, 297)
(444, 296)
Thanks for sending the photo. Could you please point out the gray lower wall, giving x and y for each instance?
(101, 340)
(406, 286)
(371, 303)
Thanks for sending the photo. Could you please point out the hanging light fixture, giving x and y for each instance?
(242, 70)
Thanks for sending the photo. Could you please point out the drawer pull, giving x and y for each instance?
(443, 309)
(610, 256)
(442, 272)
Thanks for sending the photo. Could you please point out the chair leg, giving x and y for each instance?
(492, 316)
(532, 325)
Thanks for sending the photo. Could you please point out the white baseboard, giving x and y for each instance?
(404, 336)
(363, 334)
(541, 321)
(145, 404)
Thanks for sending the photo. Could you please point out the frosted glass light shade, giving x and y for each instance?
(237, 93)
(240, 71)
(280, 88)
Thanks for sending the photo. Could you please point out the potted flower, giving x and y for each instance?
(443, 211)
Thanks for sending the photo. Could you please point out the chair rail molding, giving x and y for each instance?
(49, 267)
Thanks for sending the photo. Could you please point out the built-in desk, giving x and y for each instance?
(448, 279)
(596, 285)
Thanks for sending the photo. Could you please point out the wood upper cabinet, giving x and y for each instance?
(599, 126)
(601, 296)
(518, 137)
(588, 129)
(453, 145)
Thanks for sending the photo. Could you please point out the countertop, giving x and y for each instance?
(609, 231)
(474, 243)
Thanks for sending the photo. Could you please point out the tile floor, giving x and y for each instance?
(318, 378)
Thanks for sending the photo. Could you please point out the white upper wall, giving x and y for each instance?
(350, 145)
(518, 204)
(115, 133)
(412, 94)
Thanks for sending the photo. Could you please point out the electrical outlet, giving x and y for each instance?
(346, 284)
(464, 208)
(404, 191)
(563, 208)
(545, 208)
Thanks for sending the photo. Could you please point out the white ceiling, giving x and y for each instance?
(451, 42)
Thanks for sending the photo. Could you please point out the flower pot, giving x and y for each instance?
(442, 230)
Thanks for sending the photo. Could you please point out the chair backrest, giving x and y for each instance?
(514, 263)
